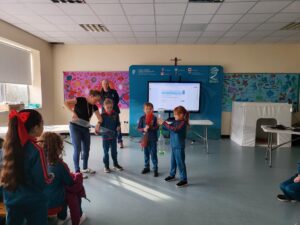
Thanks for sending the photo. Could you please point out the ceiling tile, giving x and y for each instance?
(196, 19)
(235, 7)
(190, 34)
(205, 40)
(73, 10)
(123, 34)
(136, 1)
(284, 33)
(146, 27)
(167, 34)
(218, 27)
(271, 40)
(285, 17)
(55, 34)
(269, 6)
(293, 8)
(226, 18)
(10, 19)
(59, 19)
(235, 33)
(113, 19)
(32, 19)
(170, 27)
(141, 19)
(213, 34)
(126, 40)
(146, 40)
(170, 1)
(144, 34)
(138, 9)
(170, 9)
(228, 40)
(187, 40)
(16, 9)
(193, 27)
(101, 1)
(44, 27)
(114, 27)
(258, 34)
(107, 9)
(45, 9)
(198, 8)
(166, 40)
(244, 26)
(69, 27)
(271, 26)
(177, 19)
(255, 18)
(86, 19)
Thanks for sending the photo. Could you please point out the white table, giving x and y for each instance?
(271, 147)
(204, 123)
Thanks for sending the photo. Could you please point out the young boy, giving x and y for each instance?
(148, 126)
(110, 126)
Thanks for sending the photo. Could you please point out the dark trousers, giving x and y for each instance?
(81, 140)
(291, 189)
(151, 150)
(112, 145)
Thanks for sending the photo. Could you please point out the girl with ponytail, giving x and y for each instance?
(24, 174)
(177, 140)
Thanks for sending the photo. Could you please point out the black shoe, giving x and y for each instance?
(169, 178)
(283, 198)
(155, 173)
(145, 170)
(118, 167)
(182, 183)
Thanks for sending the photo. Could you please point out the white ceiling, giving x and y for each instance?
(156, 21)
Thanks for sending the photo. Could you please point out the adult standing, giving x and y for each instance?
(83, 108)
(108, 92)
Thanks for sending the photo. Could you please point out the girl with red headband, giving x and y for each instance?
(24, 174)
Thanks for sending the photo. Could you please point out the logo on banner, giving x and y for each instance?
(213, 77)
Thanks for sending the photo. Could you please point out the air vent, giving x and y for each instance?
(292, 26)
(69, 1)
(94, 27)
(206, 1)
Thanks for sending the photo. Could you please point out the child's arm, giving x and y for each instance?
(66, 175)
(175, 127)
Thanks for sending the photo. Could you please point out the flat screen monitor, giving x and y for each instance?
(168, 95)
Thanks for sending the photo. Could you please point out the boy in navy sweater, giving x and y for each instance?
(110, 125)
(148, 126)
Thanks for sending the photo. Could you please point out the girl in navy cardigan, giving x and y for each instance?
(177, 130)
(24, 174)
(53, 146)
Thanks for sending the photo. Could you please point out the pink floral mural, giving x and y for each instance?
(78, 83)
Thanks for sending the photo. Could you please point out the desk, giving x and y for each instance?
(204, 123)
(271, 147)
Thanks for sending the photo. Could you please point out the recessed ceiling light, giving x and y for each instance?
(69, 1)
(94, 27)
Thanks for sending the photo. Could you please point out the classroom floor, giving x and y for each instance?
(230, 186)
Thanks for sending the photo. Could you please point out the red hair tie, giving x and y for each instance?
(22, 117)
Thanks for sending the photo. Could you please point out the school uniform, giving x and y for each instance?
(291, 189)
(80, 136)
(110, 122)
(29, 201)
(177, 140)
(56, 190)
(151, 148)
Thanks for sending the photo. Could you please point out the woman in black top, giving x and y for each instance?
(83, 109)
(107, 92)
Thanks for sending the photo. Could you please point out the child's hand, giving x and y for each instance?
(297, 179)
(97, 128)
(146, 128)
(160, 121)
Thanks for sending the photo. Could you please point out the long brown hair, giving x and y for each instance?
(186, 115)
(53, 146)
(12, 174)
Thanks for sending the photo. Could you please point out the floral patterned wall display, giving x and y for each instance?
(78, 83)
(260, 87)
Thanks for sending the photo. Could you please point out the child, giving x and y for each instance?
(53, 146)
(177, 134)
(148, 126)
(111, 125)
(24, 173)
(290, 188)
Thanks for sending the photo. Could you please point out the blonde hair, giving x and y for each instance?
(108, 101)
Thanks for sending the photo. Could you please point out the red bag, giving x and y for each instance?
(144, 140)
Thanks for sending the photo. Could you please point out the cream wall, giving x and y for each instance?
(45, 49)
(234, 58)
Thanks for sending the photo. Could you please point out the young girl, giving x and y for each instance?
(53, 146)
(24, 174)
(177, 139)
